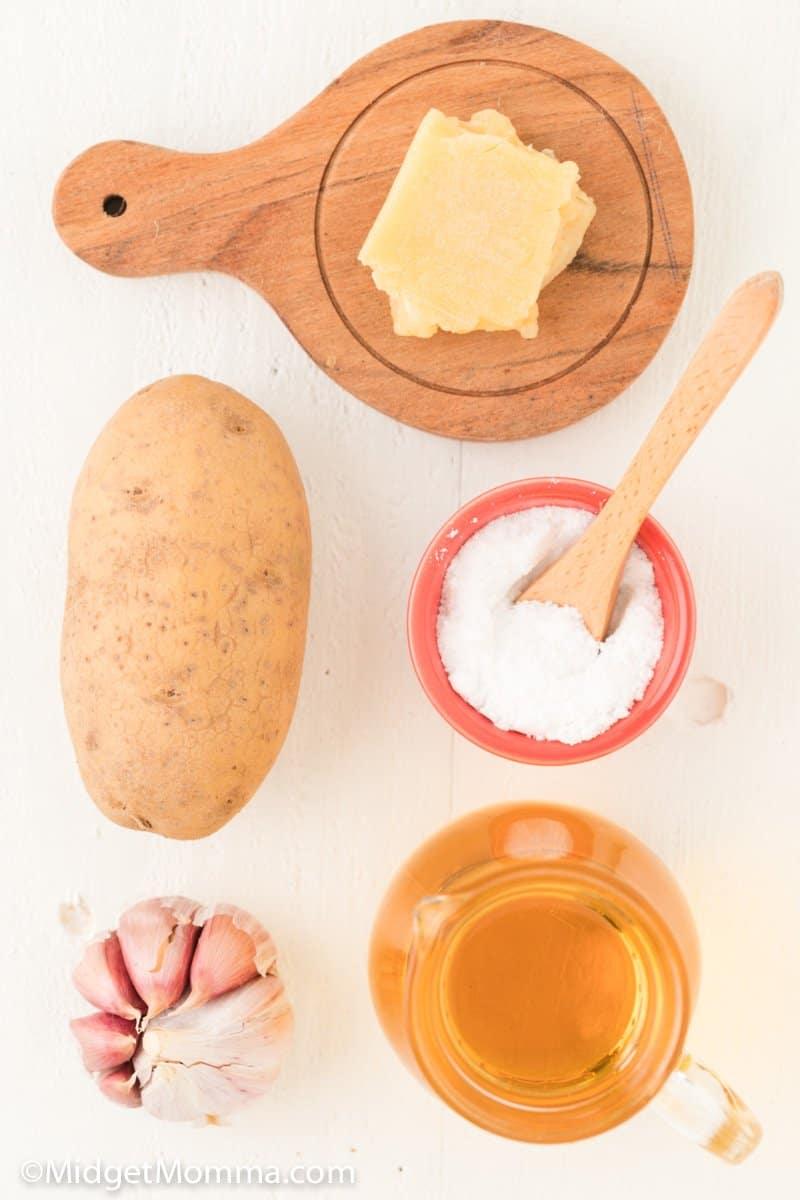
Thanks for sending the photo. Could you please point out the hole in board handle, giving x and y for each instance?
(114, 206)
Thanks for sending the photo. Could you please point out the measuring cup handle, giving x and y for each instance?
(703, 1108)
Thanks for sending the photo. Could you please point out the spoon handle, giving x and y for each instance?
(720, 359)
(587, 576)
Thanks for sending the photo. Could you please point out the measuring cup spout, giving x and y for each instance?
(432, 915)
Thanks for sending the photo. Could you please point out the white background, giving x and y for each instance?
(369, 769)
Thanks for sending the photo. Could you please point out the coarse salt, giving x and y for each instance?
(533, 667)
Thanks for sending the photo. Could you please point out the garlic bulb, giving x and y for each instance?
(193, 1018)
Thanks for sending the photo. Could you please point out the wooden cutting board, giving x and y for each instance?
(288, 213)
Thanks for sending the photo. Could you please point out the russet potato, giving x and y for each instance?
(187, 597)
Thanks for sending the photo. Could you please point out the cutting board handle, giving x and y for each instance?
(132, 209)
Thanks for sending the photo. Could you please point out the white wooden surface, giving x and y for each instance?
(369, 769)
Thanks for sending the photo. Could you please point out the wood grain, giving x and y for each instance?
(587, 576)
(288, 213)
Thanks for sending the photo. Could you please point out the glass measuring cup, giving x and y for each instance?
(537, 966)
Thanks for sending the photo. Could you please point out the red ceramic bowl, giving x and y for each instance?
(677, 601)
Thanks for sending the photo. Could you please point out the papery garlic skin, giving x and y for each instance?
(181, 1093)
(238, 1039)
(157, 938)
(217, 1019)
(239, 1027)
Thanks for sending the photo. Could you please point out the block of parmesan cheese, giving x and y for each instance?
(476, 223)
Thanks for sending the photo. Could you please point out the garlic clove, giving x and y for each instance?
(121, 1086)
(105, 1040)
(157, 938)
(102, 978)
(233, 948)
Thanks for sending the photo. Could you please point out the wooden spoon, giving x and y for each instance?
(587, 576)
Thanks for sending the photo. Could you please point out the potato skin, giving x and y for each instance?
(187, 598)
